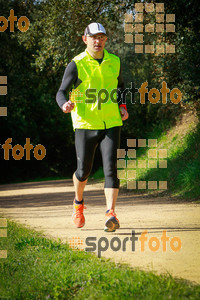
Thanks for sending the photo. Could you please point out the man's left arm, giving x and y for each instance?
(120, 96)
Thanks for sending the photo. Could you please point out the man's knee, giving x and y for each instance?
(110, 170)
(111, 179)
(82, 175)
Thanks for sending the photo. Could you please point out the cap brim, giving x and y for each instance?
(91, 34)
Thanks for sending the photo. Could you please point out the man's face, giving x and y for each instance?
(95, 43)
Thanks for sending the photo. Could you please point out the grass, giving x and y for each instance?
(98, 175)
(183, 162)
(40, 268)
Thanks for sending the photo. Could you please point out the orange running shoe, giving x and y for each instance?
(77, 216)
(112, 222)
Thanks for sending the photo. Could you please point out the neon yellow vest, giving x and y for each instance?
(90, 112)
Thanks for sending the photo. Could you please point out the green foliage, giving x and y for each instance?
(98, 174)
(35, 61)
(183, 162)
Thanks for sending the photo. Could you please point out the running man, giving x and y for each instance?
(95, 78)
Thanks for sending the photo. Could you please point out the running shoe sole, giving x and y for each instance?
(111, 225)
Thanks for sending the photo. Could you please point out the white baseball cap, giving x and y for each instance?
(94, 28)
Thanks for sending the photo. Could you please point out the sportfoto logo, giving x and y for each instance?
(116, 244)
(3, 92)
(18, 151)
(159, 27)
(3, 234)
(102, 96)
(23, 23)
(128, 164)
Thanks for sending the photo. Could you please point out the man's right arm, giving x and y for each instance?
(69, 79)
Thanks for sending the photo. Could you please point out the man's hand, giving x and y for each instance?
(67, 107)
(124, 113)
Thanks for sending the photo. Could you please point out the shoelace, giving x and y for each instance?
(112, 213)
(79, 209)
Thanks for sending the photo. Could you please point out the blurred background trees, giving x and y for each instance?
(34, 63)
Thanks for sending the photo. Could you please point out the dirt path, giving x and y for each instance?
(47, 206)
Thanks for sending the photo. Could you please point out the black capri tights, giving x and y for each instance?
(86, 142)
